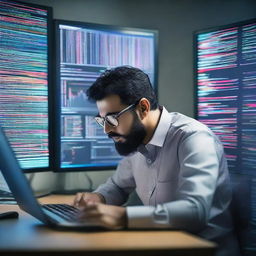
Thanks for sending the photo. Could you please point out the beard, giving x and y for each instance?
(133, 140)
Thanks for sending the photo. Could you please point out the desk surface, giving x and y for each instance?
(27, 235)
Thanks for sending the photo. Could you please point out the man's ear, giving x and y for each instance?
(143, 107)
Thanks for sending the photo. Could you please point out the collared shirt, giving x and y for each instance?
(181, 177)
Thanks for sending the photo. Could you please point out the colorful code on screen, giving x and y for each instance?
(24, 81)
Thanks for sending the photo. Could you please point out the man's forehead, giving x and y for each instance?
(109, 104)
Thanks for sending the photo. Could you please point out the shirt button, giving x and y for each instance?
(149, 161)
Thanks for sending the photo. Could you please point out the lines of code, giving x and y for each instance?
(24, 86)
(226, 80)
(84, 53)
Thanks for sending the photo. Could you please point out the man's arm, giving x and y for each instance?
(118, 187)
(109, 216)
(81, 199)
(199, 169)
(115, 191)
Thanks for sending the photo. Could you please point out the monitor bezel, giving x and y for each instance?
(49, 85)
(96, 26)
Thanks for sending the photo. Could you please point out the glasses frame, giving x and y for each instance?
(102, 120)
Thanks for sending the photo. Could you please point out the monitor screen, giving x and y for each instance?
(24, 76)
(84, 51)
(225, 79)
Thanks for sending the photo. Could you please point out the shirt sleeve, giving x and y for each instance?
(197, 181)
(147, 217)
(118, 187)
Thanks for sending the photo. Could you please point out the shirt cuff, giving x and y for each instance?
(147, 217)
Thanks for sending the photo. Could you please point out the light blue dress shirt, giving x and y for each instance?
(181, 177)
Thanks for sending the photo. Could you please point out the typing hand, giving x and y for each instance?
(81, 199)
(109, 216)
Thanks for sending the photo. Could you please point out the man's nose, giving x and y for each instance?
(107, 128)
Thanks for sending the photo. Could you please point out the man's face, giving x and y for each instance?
(129, 133)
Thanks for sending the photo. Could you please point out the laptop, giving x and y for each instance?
(53, 215)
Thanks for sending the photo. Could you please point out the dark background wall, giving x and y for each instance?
(176, 20)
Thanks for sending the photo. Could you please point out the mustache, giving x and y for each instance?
(114, 134)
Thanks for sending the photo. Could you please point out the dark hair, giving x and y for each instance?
(129, 83)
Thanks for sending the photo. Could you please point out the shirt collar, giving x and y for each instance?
(161, 129)
(159, 135)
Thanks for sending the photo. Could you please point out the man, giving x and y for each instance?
(175, 164)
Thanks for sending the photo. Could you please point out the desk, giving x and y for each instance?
(27, 236)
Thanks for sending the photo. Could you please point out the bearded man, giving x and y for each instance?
(175, 163)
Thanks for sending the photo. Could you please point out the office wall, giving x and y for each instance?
(176, 20)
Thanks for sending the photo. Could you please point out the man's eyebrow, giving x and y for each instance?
(112, 113)
(109, 113)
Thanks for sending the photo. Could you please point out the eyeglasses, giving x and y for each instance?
(112, 119)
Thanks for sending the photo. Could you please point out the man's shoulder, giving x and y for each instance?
(186, 123)
(184, 127)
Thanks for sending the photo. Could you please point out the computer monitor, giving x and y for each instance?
(84, 51)
(225, 82)
(25, 76)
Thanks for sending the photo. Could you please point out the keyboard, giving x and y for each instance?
(65, 211)
(6, 195)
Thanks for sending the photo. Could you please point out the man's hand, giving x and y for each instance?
(81, 199)
(109, 216)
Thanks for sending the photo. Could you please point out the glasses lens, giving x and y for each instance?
(112, 120)
(99, 120)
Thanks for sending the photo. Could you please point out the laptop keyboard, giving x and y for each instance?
(5, 194)
(65, 211)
